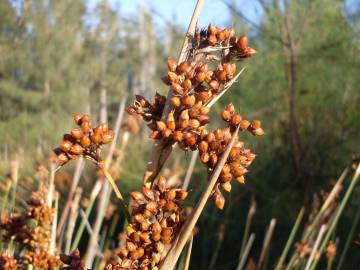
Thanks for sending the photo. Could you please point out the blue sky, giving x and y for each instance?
(213, 11)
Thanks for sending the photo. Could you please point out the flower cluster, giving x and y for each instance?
(84, 140)
(32, 230)
(156, 219)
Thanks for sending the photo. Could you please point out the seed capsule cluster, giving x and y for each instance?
(83, 140)
(156, 219)
(238, 46)
(8, 262)
(72, 261)
(32, 230)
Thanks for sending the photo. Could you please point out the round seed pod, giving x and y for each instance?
(234, 152)
(130, 246)
(258, 132)
(226, 177)
(249, 52)
(212, 29)
(242, 43)
(173, 77)
(171, 65)
(241, 179)
(213, 159)
(187, 84)
(77, 133)
(166, 133)
(65, 145)
(226, 115)
(175, 101)
(255, 124)
(77, 118)
(98, 130)
(188, 101)
(160, 125)
(244, 124)
(177, 88)
(85, 141)
(219, 200)
(203, 96)
(203, 146)
(200, 76)
(76, 149)
(171, 194)
(219, 134)
(226, 186)
(183, 67)
(85, 126)
(214, 84)
(177, 136)
(235, 120)
(62, 158)
(170, 121)
(107, 136)
(194, 123)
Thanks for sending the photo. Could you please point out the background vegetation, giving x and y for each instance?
(58, 57)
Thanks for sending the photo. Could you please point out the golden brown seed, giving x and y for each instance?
(159, 247)
(210, 137)
(145, 237)
(156, 227)
(76, 149)
(170, 121)
(203, 146)
(145, 225)
(200, 76)
(230, 107)
(183, 67)
(156, 257)
(244, 124)
(175, 101)
(126, 264)
(152, 207)
(166, 133)
(166, 232)
(139, 218)
(236, 120)
(188, 101)
(155, 135)
(226, 177)
(148, 193)
(214, 84)
(104, 127)
(173, 77)
(85, 127)
(221, 35)
(190, 138)
(238, 170)
(203, 96)
(77, 133)
(85, 141)
(171, 194)
(212, 29)
(171, 65)
(177, 136)
(123, 253)
(242, 43)
(62, 158)
(234, 152)
(226, 186)
(96, 138)
(241, 179)
(213, 159)
(177, 88)
(258, 132)
(204, 119)
(204, 110)
(77, 118)
(184, 115)
(249, 52)
(130, 246)
(137, 196)
(205, 157)
(255, 124)
(84, 118)
(66, 145)
(181, 194)
(98, 130)
(226, 115)
(156, 236)
(219, 200)
(226, 169)
(219, 134)
(160, 125)
(161, 183)
(107, 136)
(187, 84)
(194, 123)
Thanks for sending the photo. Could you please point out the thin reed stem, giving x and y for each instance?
(251, 213)
(315, 247)
(266, 244)
(188, 254)
(246, 252)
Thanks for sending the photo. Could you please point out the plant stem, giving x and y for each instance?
(246, 252)
(117, 193)
(251, 213)
(266, 243)
(179, 243)
(290, 239)
(188, 254)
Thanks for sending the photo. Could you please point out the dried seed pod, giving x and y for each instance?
(187, 84)
(194, 123)
(160, 125)
(76, 149)
(166, 133)
(85, 141)
(203, 146)
(214, 84)
(219, 200)
(226, 186)
(66, 145)
(171, 65)
(77, 118)
(175, 101)
(212, 29)
(183, 67)
(235, 120)
(255, 124)
(62, 158)
(173, 77)
(107, 136)
(177, 136)
(177, 88)
(188, 101)
(242, 43)
(170, 121)
(77, 133)
(258, 132)
(244, 124)
(85, 126)
(200, 76)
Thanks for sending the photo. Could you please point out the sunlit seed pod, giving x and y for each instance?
(170, 121)
(162, 202)
(183, 67)
(98, 130)
(107, 136)
(213, 159)
(85, 126)
(227, 135)
(221, 36)
(221, 75)
(203, 146)
(241, 179)
(159, 247)
(214, 84)
(177, 88)
(171, 65)
(77, 118)
(139, 218)
(152, 207)
(210, 137)
(226, 115)
(205, 157)
(76, 149)
(66, 145)
(226, 186)
(212, 39)
(85, 141)
(181, 194)
(194, 123)
(203, 133)
(76, 133)
(161, 183)
(145, 225)
(242, 43)
(177, 136)
(165, 80)
(219, 200)
(155, 135)
(255, 124)
(188, 101)
(194, 112)
(203, 119)
(203, 96)
(166, 133)
(173, 77)
(226, 169)
(160, 125)
(187, 84)
(219, 134)
(234, 152)
(62, 158)
(155, 258)
(225, 177)
(156, 236)
(171, 194)
(230, 107)
(258, 132)
(135, 237)
(190, 138)
(123, 253)
(215, 145)
(244, 124)
(200, 76)
(84, 118)
(166, 239)
(212, 29)
(145, 237)
(184, 115)
(166, 232)
(137, 196)
(249, 52)
(175, 101)
(250, 156)
(156, 227)
(235, 120)
(137, 254)
(171, 206)
(238, 170)
(104, 127)
(147, 213)
(130, 246)
(148, 193)
(204, 110)
(126, 264)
